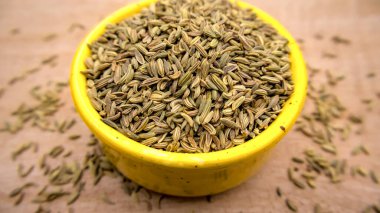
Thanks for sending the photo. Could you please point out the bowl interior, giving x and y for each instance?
(118, 141)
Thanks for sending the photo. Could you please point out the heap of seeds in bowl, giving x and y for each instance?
(189, 75)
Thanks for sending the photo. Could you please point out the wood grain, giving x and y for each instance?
(355, 20)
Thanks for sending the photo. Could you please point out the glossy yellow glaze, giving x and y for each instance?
(184, 174)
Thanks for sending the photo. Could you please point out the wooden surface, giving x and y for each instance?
(356, 20)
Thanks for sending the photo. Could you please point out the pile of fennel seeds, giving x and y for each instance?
(189, 76)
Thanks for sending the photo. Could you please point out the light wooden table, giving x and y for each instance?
(356, 20)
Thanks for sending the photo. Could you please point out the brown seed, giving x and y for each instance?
(329, 148)
(361, 171)
(107, 200)
(50, 37)
(209, 128)
(278, 192)
(317, 208)
(19, 199)
(16, 191)
(56, 151)
(23, 173)
(139, 57)
(74, 26)
(310, 183)
(354, 119)
(219, 83)
(237, 103)
(298, 183)
(188, 119)
(291, 205)
(49, 59)
(15, 31)
(149, 141)
(176, 134)
(376, 208)
(23, 148)
(201, 50)
(340, 40)
(229, 123)
(208, 117)
(74, 137)
(297, 160)
(374, 177)
(158, 47)
(73, 197)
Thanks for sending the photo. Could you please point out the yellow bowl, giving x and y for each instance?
(185, 174)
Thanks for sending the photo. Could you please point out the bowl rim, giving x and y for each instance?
(126, 146)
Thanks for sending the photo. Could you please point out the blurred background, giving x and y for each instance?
(38, 40)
